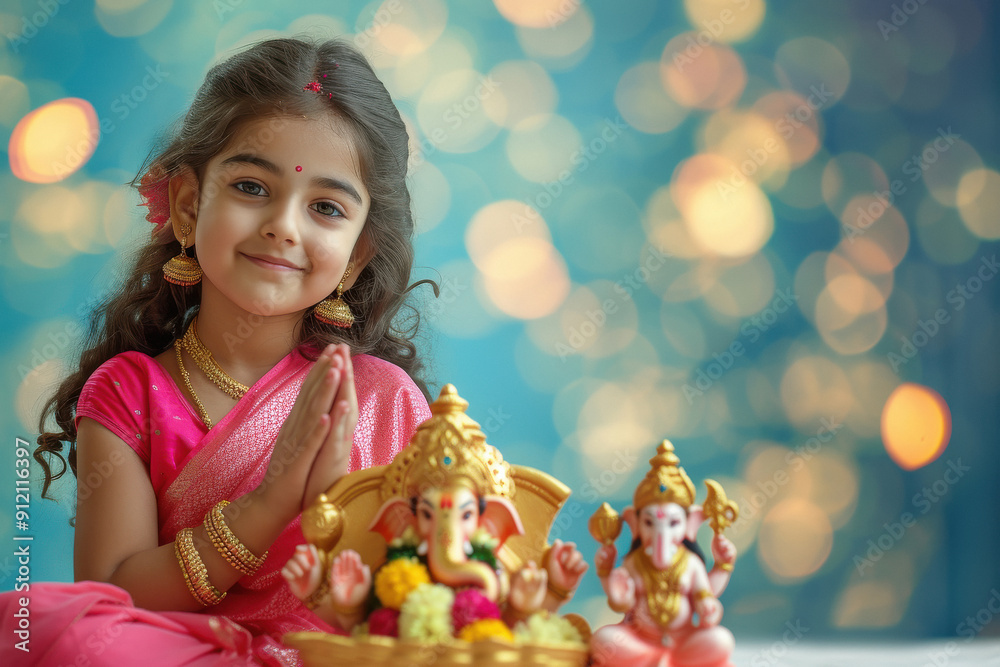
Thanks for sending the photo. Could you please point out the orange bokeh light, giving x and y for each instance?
(916, 425)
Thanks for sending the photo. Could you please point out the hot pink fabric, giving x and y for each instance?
(192, 468)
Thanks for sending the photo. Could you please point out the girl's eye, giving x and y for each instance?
(327, 209)
(466, 516)
(250, 188)
(675, 523)
(425, 514)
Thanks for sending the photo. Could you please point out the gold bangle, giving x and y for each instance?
(194, 570)
(559, 593)
(702, 594)
(316, 597)
(725, 567)
(228, 544)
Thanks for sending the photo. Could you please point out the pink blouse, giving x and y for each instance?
(136, 398)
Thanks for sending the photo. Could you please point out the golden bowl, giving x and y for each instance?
(320, 649)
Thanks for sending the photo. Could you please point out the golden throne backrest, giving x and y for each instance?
(339, 520)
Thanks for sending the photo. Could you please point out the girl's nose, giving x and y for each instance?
(282, 224)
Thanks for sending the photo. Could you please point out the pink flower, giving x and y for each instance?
(384, 621)
(471, 606)
(315, 87)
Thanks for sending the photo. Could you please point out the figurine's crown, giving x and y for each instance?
(448, 448)
(666, 482)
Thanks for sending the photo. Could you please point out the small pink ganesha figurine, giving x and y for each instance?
(662, 581)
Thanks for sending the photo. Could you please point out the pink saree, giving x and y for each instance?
(192, 468)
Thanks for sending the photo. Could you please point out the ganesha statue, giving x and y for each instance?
(662, 582)
(448, 542)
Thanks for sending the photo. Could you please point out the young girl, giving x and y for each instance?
(250, 358)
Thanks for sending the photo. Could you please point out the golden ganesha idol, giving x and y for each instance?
(440, 556)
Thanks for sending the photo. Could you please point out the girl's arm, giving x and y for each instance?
(116, 527)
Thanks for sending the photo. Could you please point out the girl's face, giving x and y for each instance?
(279, 214)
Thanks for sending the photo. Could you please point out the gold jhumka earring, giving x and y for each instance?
(333, 309)
(183, 270)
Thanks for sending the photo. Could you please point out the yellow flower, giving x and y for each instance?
(426, 614)
(545, 628)
(397, 578)
(486, 628)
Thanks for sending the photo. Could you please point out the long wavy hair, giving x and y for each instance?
(146, 313)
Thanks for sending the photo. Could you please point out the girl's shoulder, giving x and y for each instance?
(131, 368)
(376, 379)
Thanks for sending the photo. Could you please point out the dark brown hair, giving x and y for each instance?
(146, 313)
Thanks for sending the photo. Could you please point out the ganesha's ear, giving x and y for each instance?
(696, 517)
(393, 518)
(500, 519)
(631, 517)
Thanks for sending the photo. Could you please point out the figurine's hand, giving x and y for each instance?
(302, 571)
(709, 611)
(350, 580)
(565, 566)
(723, 551)
(605, 559)
(527, 588)
(621, 590)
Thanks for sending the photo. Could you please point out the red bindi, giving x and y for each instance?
(298, 168)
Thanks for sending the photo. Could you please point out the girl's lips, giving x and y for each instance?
(270, 265)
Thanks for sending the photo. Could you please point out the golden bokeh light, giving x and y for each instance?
(795, 122)
(710, 78)
(560, 47)
(815, 69)
(839, 263)
(834, 480)
(795, 540)
(916, 425)
(54, 141)
(542, 148)
(725, 20)
(876, 237)
(644, 104)
(868, 604)
(739, 289)
(725, 217)
(410, 27)
(500, 222)
(751, 141)
(946, 161)
(851, 174)
(815, 388)
(131, 18)
(524, 89)
(594, 321)
(979, 201)
(525, 278)
(450, 111)
(665, 227)
(537, 13)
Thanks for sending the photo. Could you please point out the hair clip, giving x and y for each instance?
(314, 86)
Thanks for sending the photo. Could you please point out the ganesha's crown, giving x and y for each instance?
(666, 482)
(448, 448)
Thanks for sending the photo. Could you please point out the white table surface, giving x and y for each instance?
(937, 653)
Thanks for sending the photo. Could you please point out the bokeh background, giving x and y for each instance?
(766, 230)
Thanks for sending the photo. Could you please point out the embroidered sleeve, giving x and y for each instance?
(390, 407)
(116, 396)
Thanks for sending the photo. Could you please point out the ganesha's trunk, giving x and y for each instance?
(663, 551)
(450, 565)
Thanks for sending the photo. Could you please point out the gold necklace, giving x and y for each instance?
(206, 362)
(187, 382)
